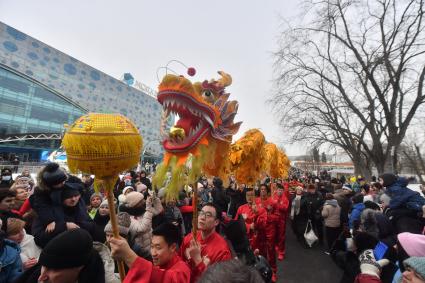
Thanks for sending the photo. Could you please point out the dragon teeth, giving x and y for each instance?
(208, 119)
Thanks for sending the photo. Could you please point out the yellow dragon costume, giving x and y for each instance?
(201, 138)
(252, 158)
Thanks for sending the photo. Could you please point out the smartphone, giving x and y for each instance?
(379, 251)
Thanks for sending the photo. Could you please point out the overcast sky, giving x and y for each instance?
(236, 36)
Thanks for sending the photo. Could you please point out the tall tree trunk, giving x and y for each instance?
(362, 168)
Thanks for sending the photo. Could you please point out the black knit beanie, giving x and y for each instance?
(69, 190)
(53, 175)
(69, 249)
(364, 241)
(388, 178)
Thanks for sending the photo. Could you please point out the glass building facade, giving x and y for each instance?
(27, 107)
(41, 89)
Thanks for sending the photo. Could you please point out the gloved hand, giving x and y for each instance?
(157, 206)
(369, 265)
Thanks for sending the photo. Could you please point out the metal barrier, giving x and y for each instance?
(21, 167)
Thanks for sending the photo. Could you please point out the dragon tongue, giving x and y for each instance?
(186, 123)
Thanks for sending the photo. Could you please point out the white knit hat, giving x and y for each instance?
(133, 198)
(141, 187)
(126, 190)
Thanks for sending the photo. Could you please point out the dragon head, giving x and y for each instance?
(203, 110)
(203, 131)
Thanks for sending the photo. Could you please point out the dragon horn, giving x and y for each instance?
(225, 80)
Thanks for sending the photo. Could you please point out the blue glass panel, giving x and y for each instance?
(32, 56)
(16, 34)
(15, 65)
(70, 69)
(10, 46)
(13, 85)
(95, 75)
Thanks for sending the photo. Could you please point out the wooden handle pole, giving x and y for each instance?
(113, 219)
(195, 211)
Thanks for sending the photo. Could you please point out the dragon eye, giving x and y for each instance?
(207, 93)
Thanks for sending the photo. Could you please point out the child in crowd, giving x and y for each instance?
(11, 264)
(30, 252)
(125, 191)
(47, 194)
(102, 215)
(358, 207)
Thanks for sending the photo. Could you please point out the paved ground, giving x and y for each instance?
(306, 265)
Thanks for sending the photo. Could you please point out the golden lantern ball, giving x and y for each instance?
(102, 144)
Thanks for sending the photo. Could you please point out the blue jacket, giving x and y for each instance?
(355, 214)
(403, 197)
(10, 261)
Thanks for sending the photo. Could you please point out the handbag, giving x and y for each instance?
(309, 235)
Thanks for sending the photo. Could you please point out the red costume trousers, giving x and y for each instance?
(282, 208)
(281, 236)
(270, 240)
(268, 235)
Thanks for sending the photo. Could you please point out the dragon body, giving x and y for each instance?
(252, 158)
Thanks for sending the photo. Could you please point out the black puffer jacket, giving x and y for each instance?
(220, 199)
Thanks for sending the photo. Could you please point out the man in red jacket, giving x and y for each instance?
(167, 266)
(269, 237)
(255, 220)
(281, 204)
(209, 247)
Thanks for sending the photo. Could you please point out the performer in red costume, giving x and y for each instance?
(167, 266)
(255, 220)
(281, 204)
(269, 237)
(209, 246)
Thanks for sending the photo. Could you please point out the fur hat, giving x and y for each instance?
(53, 175)
(413, 244)
(133, 198)
(124, 222)
(72, 248)
(417, 264)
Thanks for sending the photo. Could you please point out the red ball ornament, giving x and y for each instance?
(191, 71)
